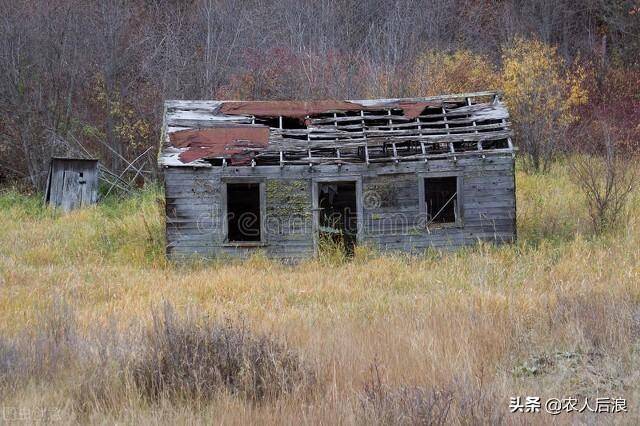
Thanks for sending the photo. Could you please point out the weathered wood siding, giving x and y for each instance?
(389, 199)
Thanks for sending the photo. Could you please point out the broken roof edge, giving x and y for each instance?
(197, 103)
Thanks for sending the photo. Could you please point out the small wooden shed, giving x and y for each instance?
(279, 176)
(72, 183)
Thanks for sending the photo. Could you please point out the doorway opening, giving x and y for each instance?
(338, 218)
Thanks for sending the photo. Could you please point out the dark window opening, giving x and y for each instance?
(338, 213)
(440, 196)
(243, 212)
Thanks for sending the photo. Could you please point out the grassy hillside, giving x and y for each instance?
(381, 338)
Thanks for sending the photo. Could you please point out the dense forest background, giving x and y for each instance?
(94, 75)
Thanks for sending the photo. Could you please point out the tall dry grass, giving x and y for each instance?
(438, 338)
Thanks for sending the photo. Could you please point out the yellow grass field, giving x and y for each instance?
(555, 315)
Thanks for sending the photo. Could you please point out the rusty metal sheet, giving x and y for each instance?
(228, 141)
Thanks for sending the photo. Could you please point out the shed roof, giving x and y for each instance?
(206, 133)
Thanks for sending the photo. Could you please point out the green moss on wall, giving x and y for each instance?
(288, 197)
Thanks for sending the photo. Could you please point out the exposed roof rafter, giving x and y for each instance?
(202, 133)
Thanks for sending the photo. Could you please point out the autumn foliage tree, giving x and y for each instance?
(542, 93)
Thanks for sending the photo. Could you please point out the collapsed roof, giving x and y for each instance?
(220, 133)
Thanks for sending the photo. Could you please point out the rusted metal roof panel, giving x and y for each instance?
(228, 141)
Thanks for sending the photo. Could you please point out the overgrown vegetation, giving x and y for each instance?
(450, 336)
(178, 359)
(405, 405)
(606, 172)
(191, 360)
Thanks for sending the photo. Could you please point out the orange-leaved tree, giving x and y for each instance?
(542, 92)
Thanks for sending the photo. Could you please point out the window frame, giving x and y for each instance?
(459, 207)
(225, 220)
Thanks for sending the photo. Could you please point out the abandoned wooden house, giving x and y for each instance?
(283, 176)
(72, 183)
